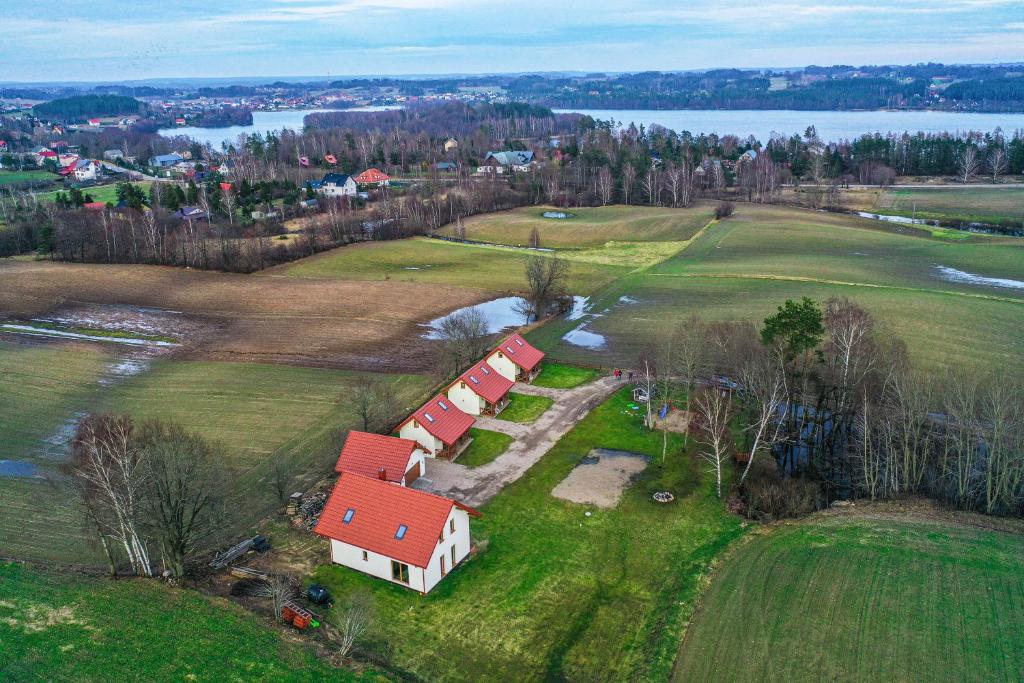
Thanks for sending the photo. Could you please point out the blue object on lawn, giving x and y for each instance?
(664, 411)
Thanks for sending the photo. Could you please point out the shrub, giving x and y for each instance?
(724, 210)
(767, 495)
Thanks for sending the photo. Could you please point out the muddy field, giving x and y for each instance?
(303, 321)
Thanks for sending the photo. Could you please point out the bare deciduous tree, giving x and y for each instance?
(997, 162)
(714, 410)
(605, 185)
(349, 625)
(967, 163)
(546, 282)
(464, 338)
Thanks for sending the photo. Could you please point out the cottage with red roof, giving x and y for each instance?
(399, 461)
(395, 533)
(516, 359)
(481, 390)
(439, 427)
(373, 176)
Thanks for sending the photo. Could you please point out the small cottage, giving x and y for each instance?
(374, 177)
(338, 185)
(399, 461)
(439, 427)
(516, 359)
(394, 533)
(481, 390)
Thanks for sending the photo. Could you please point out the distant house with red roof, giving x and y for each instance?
(94, 122)
(373, 176)
(481, 390)
(395, 533)
(94, 206)
(516, 359)
(399, 461)
(439, 427)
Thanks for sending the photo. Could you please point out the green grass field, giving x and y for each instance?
(260, 413)
(59, 628)
(985, 205)
(12, 177)
(437, 262)
(744, 267)
(561, 376)
(555, 594)
(99, 193)
(487, 445)
(863, 600)
(525, 408)
(588, 227)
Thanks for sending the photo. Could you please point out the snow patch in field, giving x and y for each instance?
(954, 275)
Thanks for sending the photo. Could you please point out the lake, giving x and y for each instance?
(831, 125)
(263, 122)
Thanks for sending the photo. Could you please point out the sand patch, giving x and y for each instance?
(600, 478)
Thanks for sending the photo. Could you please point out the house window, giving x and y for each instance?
(453, 557)
(440, 538)
(451, 525)
(366, 556)
(399, 571)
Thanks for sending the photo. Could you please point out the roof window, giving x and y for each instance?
(348, 515)
(400, 534)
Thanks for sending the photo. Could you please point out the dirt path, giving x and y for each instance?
(478, 485)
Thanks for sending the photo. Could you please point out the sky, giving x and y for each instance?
(116, 40)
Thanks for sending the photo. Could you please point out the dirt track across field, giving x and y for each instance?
(475, 486)
(303, 321)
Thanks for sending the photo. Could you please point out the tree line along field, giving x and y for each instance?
(863, 599)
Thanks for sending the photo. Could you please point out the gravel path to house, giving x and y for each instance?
(513, 429)
(478, 485)
(531, 390)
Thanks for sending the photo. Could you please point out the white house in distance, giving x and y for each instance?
(516, 359)
(395, 533)
(481, 390)
(399, 461)
(507, 162)
(86, 169)
(439, 427)
(338, 185)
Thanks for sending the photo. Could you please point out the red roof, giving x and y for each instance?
(371, 176)
(486, 382)
(440, 417)
(366, 454)
(94, 206)
(378, 510)
(520, 352)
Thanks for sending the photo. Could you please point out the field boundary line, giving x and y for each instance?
(684, 245)
(800, 278)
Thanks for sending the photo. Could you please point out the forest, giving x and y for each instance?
(79, 107)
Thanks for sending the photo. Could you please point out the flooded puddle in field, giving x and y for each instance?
(17, 328)
(954, 275)
(585, 338)
(18, 469)
(498, 314)
(580, 308)
(559, 215)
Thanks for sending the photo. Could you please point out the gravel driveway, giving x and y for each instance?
(478, 485)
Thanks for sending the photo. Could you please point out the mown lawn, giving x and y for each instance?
(863, 600)
(99, 193)
(437, 262)
(562, 376)
(555, 594)
(525, 408)
(487, 445)
(972, 204)
(587, 227)
(60, 628)
(11, 177)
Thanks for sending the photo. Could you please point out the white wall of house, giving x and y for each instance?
(414, 431)
(421, 579)
(417, 459)
(347, 190)
(466, 399)
(375, 564)
(500, 362)
(460, 540)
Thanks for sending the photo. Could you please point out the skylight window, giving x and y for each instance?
(400, 534)
(348, 515)
(442, 405)
(510, 350)
(430, 418)
(519, 342)
(484, 370)
(473, 379)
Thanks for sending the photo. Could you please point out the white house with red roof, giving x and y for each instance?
(395, 533)
(399, 461)
(481, 390)
(439, 427)
(516, 359)
(373, 176)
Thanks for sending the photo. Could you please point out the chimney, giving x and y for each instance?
(382, 474)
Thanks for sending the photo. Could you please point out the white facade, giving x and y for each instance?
(348, 189)
(451, 549)
(417, 461)
(467, 400)
(414, 431)
(505, 367)
(87, 171)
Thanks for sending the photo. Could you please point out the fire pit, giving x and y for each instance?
(663, 497)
